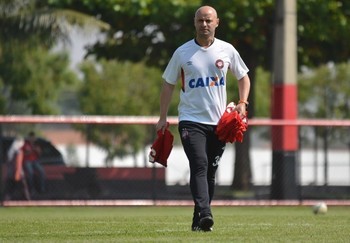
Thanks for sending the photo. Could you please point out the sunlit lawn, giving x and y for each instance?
(172, 224)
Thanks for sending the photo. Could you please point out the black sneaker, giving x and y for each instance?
(206, 223)
(195, 222)
(196, 228)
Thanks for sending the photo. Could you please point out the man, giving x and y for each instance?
(202, 65)
(31, 153)
(15, 180)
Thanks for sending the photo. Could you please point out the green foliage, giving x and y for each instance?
(248, 25)
(171, 224)
(139, 28)
(24, 19)
(323, 31)
(115, 88)
(324, 92)
(120, 88)
(21, 20)
(152, 29)
(32, 77)
(262, 93)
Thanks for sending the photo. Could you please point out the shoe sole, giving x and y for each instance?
(196, 228)
(206, 223)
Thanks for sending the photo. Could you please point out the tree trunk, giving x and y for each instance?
(242, 175)
(242, 169)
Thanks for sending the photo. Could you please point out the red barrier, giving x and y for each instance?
(152, 120)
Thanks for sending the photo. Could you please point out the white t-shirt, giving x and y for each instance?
(203, 75)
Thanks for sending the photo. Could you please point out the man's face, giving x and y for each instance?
(205, 22)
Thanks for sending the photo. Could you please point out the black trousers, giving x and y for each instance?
(203, 150)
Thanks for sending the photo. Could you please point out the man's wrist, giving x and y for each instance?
(244, 102)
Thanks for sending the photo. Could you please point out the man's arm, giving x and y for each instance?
(165, 99)
(243, 89)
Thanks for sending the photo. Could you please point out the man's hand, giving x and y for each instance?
(241, 109)
(162, 125)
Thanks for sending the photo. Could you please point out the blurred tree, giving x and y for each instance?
(30, 75)
(329, 86)
(32, 78)
(24, 19)
(120, 88)
(140, 30)
(323, 32)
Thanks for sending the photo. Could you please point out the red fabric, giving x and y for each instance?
(161, 148)
(30, 153)
(231, 126)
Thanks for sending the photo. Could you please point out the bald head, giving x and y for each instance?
(206, 10)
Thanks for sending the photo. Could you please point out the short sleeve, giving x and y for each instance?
(238, 67)
(173, 69)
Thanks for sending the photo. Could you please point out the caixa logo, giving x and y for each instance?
(206, 82)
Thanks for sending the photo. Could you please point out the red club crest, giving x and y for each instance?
(219, 64)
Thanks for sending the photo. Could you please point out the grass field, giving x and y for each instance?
(172, 224)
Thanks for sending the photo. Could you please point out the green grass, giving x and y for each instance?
(172, 224)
